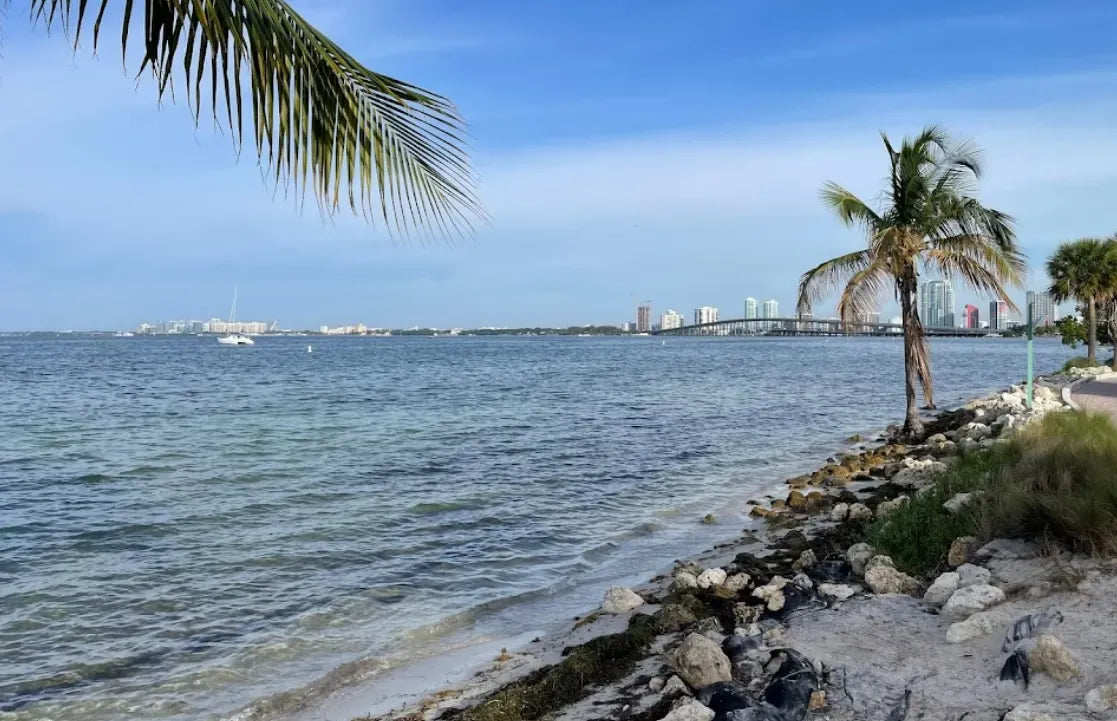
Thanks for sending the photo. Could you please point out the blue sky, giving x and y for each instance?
(626, 151)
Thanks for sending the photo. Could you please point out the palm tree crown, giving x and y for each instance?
(929, 220)
(1085, 270)
(320, 119)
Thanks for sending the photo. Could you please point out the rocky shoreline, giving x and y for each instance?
(802, 619)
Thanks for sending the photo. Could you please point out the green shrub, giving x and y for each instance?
(918, 534)
(1078, 362)
(1058, 482)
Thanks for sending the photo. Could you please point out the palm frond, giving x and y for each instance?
(862, 293)
(979, 266)
(824, 278)
(321, 120)
(852, 210)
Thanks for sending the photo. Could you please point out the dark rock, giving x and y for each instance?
(761, 712)
(831, 570)
(725, 696)
(794, 598)
(736, 646)
(792, 685)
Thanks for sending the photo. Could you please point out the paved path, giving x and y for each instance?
(1098, 395)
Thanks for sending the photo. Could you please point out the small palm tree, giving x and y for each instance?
(929, 219)
(320, 119)
(1085, 270)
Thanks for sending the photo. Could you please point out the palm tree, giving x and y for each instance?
(320, 119)
(1085, 270)
(930, 220)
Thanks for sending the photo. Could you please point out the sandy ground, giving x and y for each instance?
(878, 646)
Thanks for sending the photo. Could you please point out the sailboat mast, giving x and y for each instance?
(233, 310)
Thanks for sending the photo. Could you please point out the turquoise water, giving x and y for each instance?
(186, 528)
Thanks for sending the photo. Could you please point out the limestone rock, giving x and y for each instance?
(936, 439)
(958, 502)
(887, 508)
(882, 577)
(712, 577)
(839, 591)
(971, 575)
(966, 446)
(839, 512)
(1027, 712)
(803, 581)
(967, 601)
(948, 448)
(979, 624)
(745, 614)
(860, 512)
(737, 582)
(806, 559)
(942, 589)
(690, 711)
(961, 550)
(621, 600)
(686, 579)
(976, 431)
(701, 662)
(1102, 698)
(859, 555)
(1043, 393)
(1050, 656)
(656, 684)
(675, 687)
(796, 500)
(771, 593)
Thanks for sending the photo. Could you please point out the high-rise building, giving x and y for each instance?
(705, 314)
(750, 308)
(643, 318)
(1044, 309)
(998, 315)
(970, 316)
(670, 320)
(936, 308)
(769, 309)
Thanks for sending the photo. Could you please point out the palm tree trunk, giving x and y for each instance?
(912, 425)
(1092, 332)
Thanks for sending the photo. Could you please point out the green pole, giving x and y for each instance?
(1031, 334)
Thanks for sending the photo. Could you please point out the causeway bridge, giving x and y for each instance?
(811, 326)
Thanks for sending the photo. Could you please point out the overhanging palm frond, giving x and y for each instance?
(321, 120)
(824, 278)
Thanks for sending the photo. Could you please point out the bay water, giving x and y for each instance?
(188, 529)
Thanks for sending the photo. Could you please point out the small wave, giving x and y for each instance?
(18, 695)
(465, 504)
(93, 478)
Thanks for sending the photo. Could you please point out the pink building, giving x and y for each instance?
(970, 317)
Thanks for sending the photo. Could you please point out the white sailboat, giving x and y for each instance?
(234, 338)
